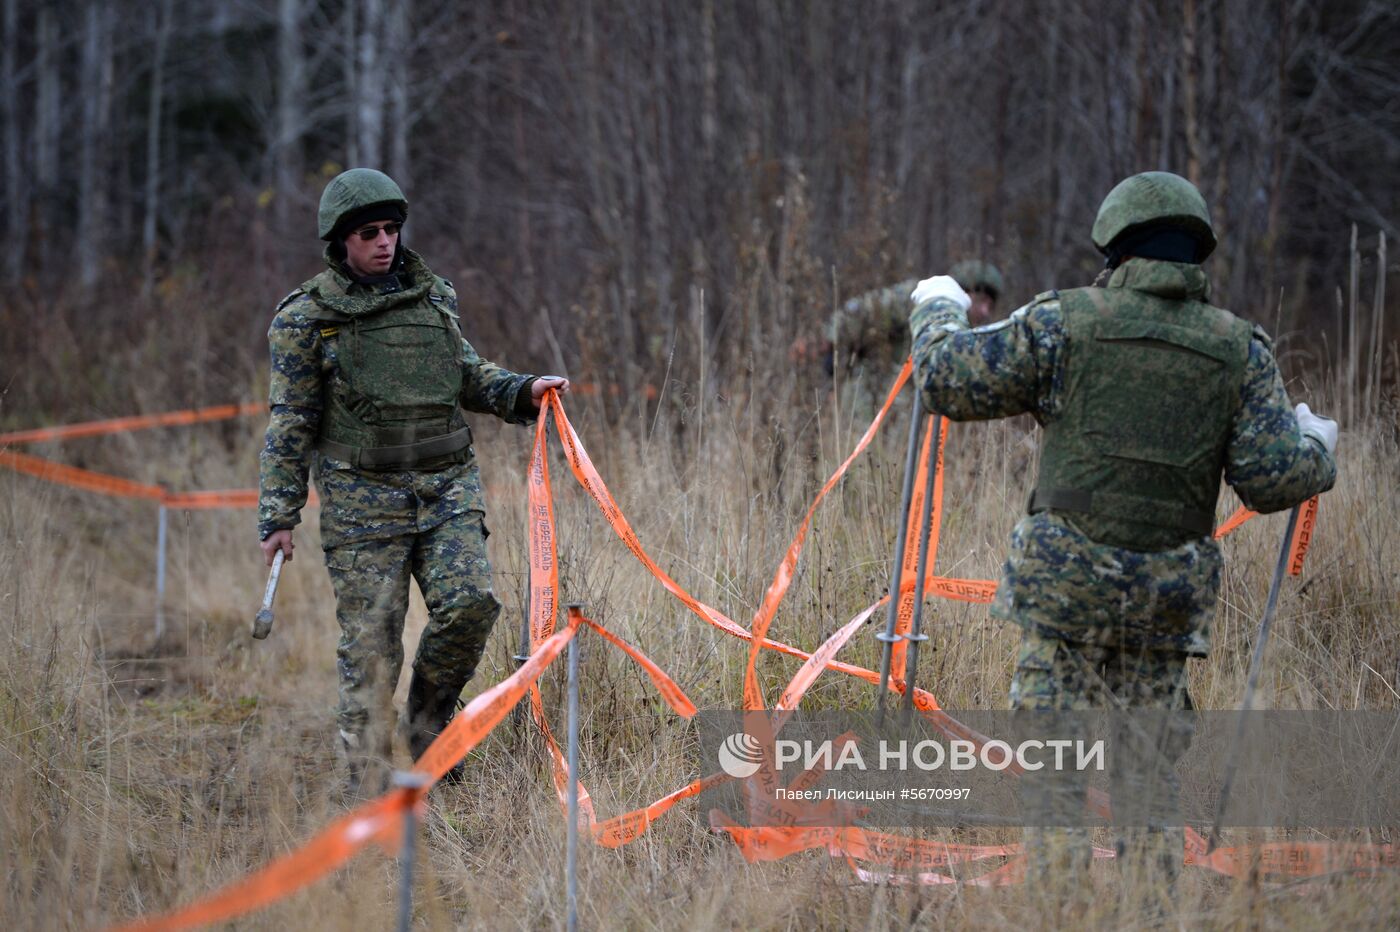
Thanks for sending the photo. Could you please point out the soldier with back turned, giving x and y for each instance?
(1148, 395)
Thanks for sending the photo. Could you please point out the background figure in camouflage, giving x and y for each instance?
(371, 379)
(866, 339)
(1147, 395)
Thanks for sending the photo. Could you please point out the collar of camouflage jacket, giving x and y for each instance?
(335, 291)
(1182, 281)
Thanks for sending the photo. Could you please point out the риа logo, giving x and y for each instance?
(740, 755)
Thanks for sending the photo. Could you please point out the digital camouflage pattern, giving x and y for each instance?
(371, 581)
(1057, 581)
(873, 324)
(1054, 676)
(1153, 198)
(381, 527)
(358, 504)
(1108, 626)
(399, 367)
(869, 336)
(1136, 449)
(876, 321)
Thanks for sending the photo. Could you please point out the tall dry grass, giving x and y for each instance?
(137, 774)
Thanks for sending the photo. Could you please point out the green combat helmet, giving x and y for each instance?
(352, 191)
(1158, 199)
(972, 275)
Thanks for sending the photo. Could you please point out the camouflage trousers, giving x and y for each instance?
(1053, 675)
(371, 580)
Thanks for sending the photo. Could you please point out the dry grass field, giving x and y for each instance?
(137, 774)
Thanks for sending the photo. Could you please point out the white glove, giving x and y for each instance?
(1324, 429)
(941, 286)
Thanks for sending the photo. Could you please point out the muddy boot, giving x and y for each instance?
(430, 708)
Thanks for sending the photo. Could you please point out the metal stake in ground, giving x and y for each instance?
(571, 852)
(916, 635)
(911, 466)
(523, 647)
(408, 781)
(1255, 663)
(162, 522)
(262, 621)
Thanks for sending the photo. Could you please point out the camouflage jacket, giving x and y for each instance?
(362, 504)
(1057, 580)
(872, 325)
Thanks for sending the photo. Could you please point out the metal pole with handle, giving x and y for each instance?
(571, 851)
(889, 636)
(1256, 662)
(916, 635)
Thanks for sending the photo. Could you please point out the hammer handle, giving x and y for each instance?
(262, 622)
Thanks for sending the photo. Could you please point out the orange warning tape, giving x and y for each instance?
(773, 843)
(377, 820)
(763, 618)
(968, 590)
(1241, 515)
(675, 697)
(544, 585)
(909, 562)
(77, 478)
(120, 425)
(373, 820)
(1302, 536)
(592, 482)
(116, 487)
(1295, 859)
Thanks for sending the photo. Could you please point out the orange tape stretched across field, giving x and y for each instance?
(116, 487)
(122, 425)
(374, 821)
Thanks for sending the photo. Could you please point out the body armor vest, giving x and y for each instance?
(392, 401)
(1151, 388)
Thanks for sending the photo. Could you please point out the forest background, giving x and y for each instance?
(591, 175)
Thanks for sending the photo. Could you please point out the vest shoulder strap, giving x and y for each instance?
(292, 296)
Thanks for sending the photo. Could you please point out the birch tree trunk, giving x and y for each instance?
(47, 127)
(291, 95)
(350, 59)
(370, 82)
(97, 119)
(399, 77)
(160, 22)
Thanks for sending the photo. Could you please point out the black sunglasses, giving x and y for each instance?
(369, 234)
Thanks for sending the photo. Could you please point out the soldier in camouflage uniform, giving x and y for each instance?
(866, 338)
(371, 380)
(1147, 395)
(878, 320)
